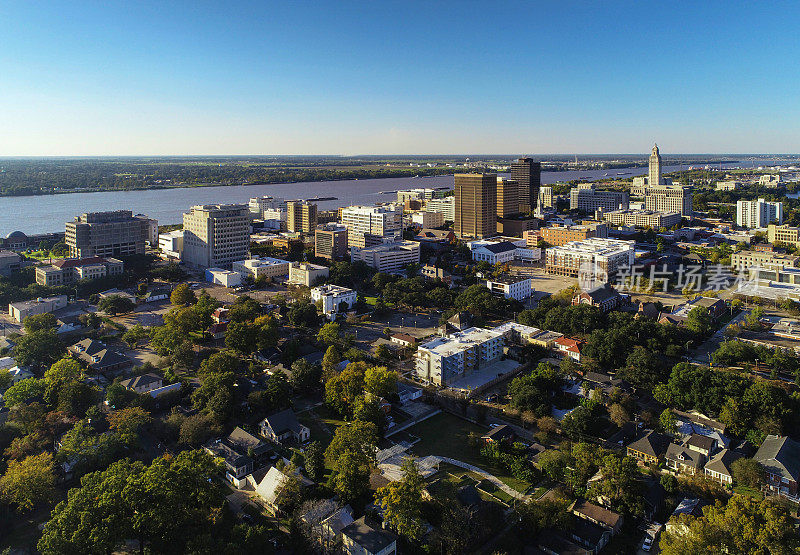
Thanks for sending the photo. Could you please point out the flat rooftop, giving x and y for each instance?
(596, 245)
(521, 328)
(459, 341)
(478, 379)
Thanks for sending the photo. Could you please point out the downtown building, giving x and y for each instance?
(104, 234)
(758, 213)
(301, 216)
(528, 175)
(330, 241)
(446, 205)
(587, 198)
(669, 198)
(368, 226)
(389, 258)
(643, 218)
(216, 235)
(446, 359)
(783, 234)
(476, 205)
(600, 257)
(72, 270)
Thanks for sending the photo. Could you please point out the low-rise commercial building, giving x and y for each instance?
(226, 278)
(602, 257)
(334, 299)
(389, 257)
(71, 270)
(783, 234)
(425, 219)
(503, 251)
(448, 358)
(511, 287)
(171, 244)
(265, 266)
(9, 262)
(562, 234)
(99, 357)
(304, 273)
(730, 185)
(21, 310)
(744, 260)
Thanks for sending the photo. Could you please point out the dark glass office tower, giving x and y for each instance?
(528, 175)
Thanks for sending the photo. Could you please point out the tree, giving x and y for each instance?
(668, 422)
(39, 322)
(698, 320)
(342, 389)
(367, 408)
(128, 423)
(305, 376)
(748, 472)
(135, 335)
(329, 334)
(303, 314)
(23, 391)
(242, 337)
(402, 502)
(357, 437)
(618, 414)
(380, 381)
(643, 368)
(29, 481)
(315, 461)
(742, 525)
(244, 309)
(38, 349)
(197, 429)
(553, 462)
(182, 295)
(351, 476)
(669, 483)
(116, 304)
(289, 494)
(383, 352)
(620, 485)
(166, 339)
(330, 363)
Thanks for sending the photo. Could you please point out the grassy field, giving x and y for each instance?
(447, 436)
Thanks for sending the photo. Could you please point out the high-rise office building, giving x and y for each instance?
(330, 241)
(117, 233)
(587, 198)
(508, 197)
(372, 225)
(669, 198)
(476, 205)
(216, 235)
(301, 216)
(528, 175)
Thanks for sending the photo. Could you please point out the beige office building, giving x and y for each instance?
(330, 241)
(216, 235)
(301, 216)
(117, 233)
(546, 197)
(304, 273)
(783, 234)
(744, 260)
(643, 218)
(508, 197)
(476, 205)
(390, 257)
(372, 225)
(669, 198)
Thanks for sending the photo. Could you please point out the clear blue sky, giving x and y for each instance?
(97, 78)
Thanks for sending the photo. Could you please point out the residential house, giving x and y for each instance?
(598, 515)
(241, 452)
(408, 393)
(569, 347)
(498, 434)
(650, 447)
(283, 426)
(218, 330)
(604, 297)
(325, 520)
(98, 357)
(587, 534)
(432, 273)
(143, 384)
(705, 445)
(780, 457)
(360, 538)
(682, 459)
(403, 339)
(719, 468)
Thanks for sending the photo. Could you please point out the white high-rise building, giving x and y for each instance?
(216, 235)
(446, 206)
(257, 205)
(758, 213)
(372, 225)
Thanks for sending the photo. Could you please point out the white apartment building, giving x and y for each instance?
(446, 205)
(427, 220)
(511, 287)
(758, 213)
(266, 266)
(388, 257)
(446, 359)
(587, 198)
(419, 194)
(503, 251)
(332, 297)
(304, 273)
(371, 225)
(226, 278)
(171, 244)
(601, 257)
(258, 205)
(216, 235)
(545, 197)
(730, 185)
(643, 218)
(274, 218)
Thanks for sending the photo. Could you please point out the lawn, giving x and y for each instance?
(447, 436)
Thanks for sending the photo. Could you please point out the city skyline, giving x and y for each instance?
(400, 78)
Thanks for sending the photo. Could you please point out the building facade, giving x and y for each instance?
(331, 298)
(371, 225)
(117, 233)
(669, 198)
(545, 197)
(427, 220)
(783, 234)
(758, 213)
(602, 257)
(643, 218)
(216, 235)
(508, 197)
(20, 311)
(744, 260)
(446, 359)
(304, 273)
(446, 205)
(330, 241)
(265, 266)
(388, 257)
(476, 205)
(587, 198)
(171, 244)
(71, 270)
(561, 235)
(528, 175)
(510, 287)
(301, 216)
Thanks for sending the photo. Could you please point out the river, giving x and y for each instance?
(48, 213)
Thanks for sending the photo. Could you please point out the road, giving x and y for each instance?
(702, 354)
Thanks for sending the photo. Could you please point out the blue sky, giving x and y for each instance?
(103, 78)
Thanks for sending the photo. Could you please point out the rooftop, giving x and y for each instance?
(597, 246)
(459, 341)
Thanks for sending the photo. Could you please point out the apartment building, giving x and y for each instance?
(216, 235)
(545, 197)
(587, 198)
(643, 218)
(330, 241)
(71, 270)
(446, 205)
(476, 205)
(301, 216)
(561, 235)
(669, 198)
(783, 234)
(758, 213)
(602, 257)
(265, 266)
(744, 260)
(117, 233)
(304, 273)
(427, 220)
(510, 287)
(446, 359)
(258, 205)
(730, 185)
(388, 257)
(371, 225)
(333, 299)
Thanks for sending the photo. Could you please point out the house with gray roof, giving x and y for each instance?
(682, 459)
(361, 538)
(241, 453)
(143, 384)
(719, 468)
(284, 426)
(99, 357)
(780, 457)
